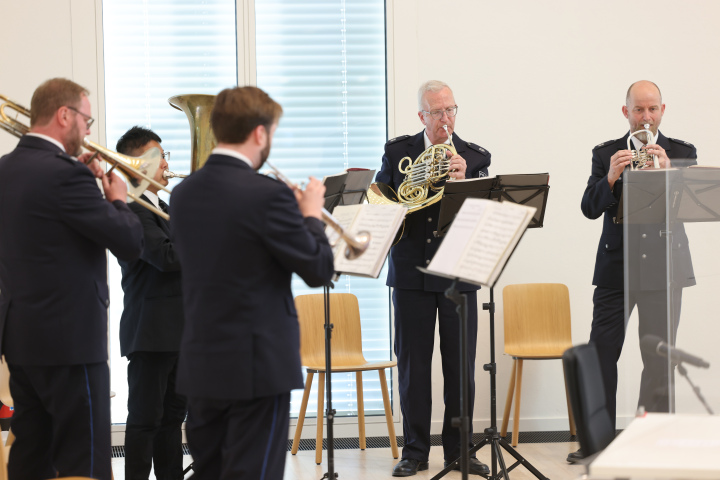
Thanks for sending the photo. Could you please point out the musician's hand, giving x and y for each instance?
(457, 167)
(618, 162)
(114, 187)
(93, 164)
(312, 200)
(662, 157)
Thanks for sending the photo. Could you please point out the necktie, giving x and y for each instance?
(163, 206)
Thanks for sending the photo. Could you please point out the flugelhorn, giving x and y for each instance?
(168, 174)
(418, 190)
(356, 244)
(138, 171)
(641, 159)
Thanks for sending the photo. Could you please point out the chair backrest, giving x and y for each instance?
(583, 379)
(346, 336)
(537, 320)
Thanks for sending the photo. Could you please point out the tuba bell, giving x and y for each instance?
(197, 108)
(641, 159)
(419, 188)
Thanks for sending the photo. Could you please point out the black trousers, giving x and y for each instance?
(415, 314)
(238, 439)
(608, 335)
(61, 422)
(153, 433)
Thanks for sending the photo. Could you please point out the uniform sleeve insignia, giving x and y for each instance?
(683, 142)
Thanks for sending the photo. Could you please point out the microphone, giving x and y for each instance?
(655, 344)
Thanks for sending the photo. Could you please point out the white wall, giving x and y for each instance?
(538, 84)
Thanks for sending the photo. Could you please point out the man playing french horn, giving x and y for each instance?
(418, 298)
(646, 250)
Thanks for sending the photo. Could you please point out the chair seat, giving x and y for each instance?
(354, 368)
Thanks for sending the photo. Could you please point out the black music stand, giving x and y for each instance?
(530, 190)
(334, 187)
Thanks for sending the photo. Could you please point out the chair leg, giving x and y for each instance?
(388, 414)
(518, 390)
(320, 417)
(361, 409)
(571, 419)
(508, 400)
(301, 417)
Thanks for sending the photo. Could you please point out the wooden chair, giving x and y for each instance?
(537, 327)
(346, 356)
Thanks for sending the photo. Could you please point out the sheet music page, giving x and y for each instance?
(493, 242)
(481, 239)
(382, 221)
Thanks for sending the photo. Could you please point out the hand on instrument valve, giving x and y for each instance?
(662, 157)
(312, 200)
(457, 167)
(114, 187)
(90, 159)
(618, 162)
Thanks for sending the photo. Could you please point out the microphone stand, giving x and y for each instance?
(683, 371)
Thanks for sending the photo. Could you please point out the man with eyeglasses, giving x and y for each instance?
(55, 227)
(150, 330)
(419, 299)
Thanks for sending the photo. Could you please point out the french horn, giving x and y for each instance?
(419, 188)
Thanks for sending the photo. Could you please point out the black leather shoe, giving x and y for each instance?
(575, 456)
(475, 467)
(409, 466)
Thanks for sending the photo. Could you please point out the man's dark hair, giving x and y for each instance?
(134, 139)
(238, 111)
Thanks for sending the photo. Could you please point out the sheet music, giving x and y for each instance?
(382, 221)
(481, 240)
(344, 215)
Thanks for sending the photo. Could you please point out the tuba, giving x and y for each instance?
(197, 108)
(641, 159)
(419, 188)
(138, 171)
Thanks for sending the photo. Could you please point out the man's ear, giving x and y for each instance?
(260, 134)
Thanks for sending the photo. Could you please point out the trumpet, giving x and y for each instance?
(418, 189)
(138, 171)
(169, 174)
(642, 159)
(356, 244)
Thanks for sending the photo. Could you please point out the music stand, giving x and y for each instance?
(530, 190)
(334, 187)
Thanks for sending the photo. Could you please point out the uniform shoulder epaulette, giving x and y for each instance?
(478, 149)
(397, 139)
(604, 144)
(682, 142)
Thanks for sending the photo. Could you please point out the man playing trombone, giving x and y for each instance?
(55, 227)
(240, 237)
(150, 330)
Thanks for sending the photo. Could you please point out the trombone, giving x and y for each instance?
(138, 171)
(356, 244)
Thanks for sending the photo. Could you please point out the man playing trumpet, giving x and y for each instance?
(647, 264)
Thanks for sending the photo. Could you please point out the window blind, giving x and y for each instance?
(324, 62)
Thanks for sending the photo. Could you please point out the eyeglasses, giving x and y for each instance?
(438, 114)
(166, 155)
(88, 118)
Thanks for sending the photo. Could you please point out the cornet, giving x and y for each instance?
(418, 189)
(356, 244)
(641, 159)
(138, 171)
